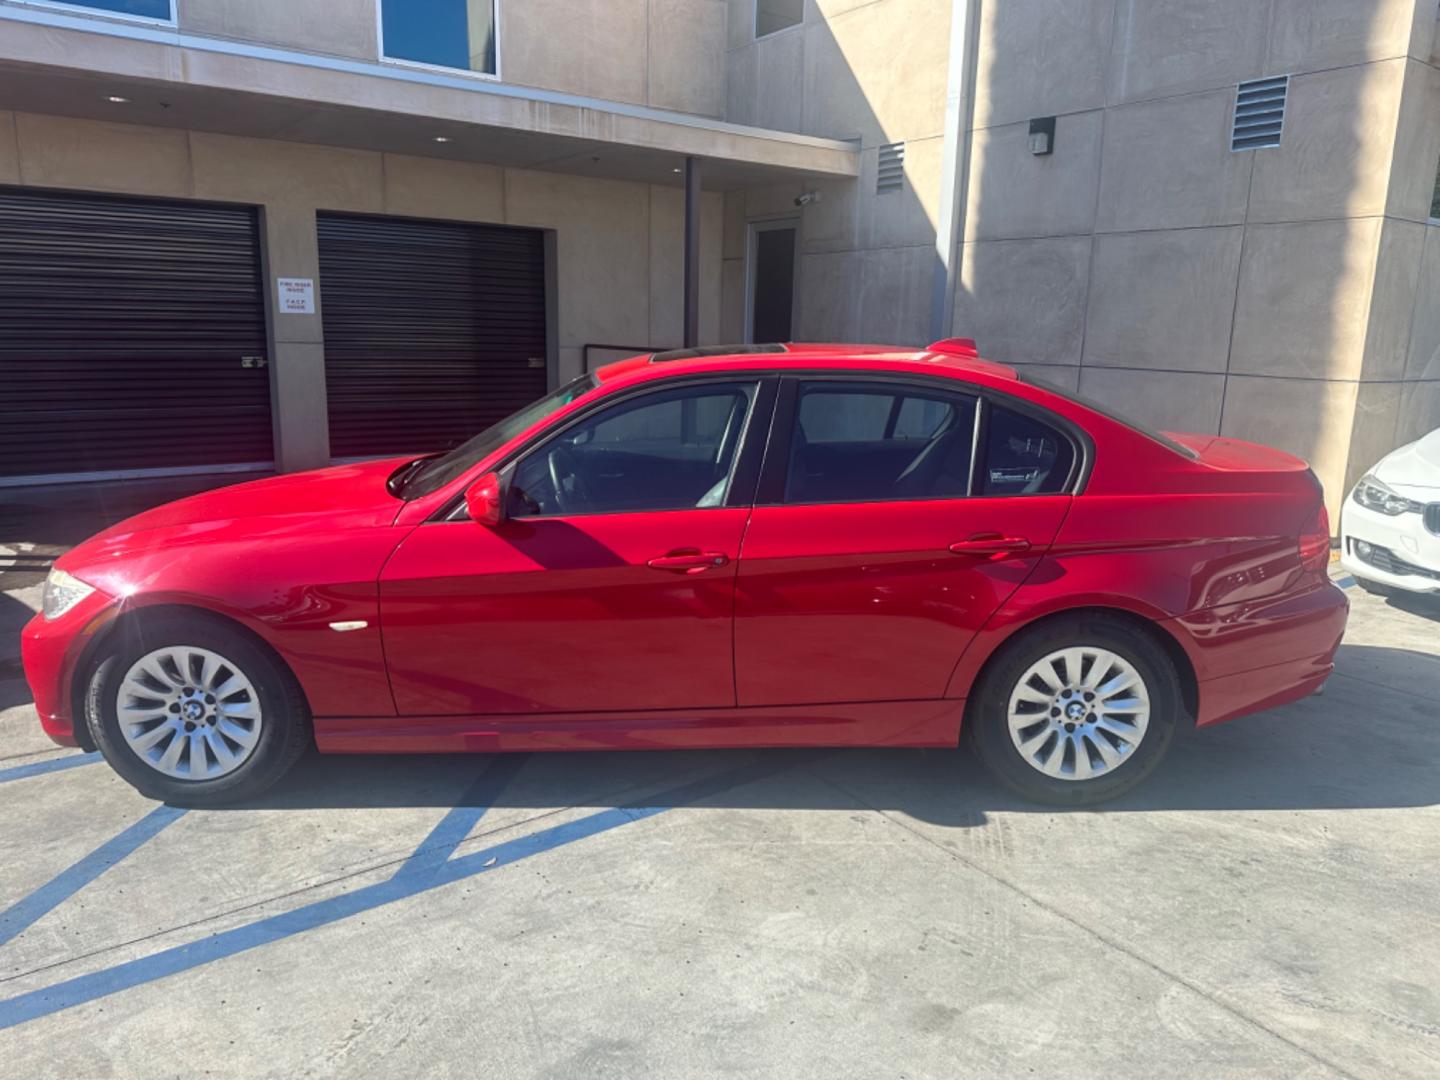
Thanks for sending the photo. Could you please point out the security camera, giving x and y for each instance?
(805, 198)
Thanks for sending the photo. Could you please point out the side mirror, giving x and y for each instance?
(485, 500)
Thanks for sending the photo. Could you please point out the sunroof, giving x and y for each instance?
(713, 350)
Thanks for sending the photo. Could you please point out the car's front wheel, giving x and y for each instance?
(192, 712)
(1076, 711)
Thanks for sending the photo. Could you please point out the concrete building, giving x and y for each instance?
(1215, 215)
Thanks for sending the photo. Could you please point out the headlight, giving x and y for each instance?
(1373, 495)
(62, 592)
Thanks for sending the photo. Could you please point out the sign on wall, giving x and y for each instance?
(295, 295)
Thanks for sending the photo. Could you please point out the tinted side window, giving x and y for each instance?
(866, 442)
(669, 450)
(1023, 456)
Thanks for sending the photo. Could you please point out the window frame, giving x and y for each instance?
(771, 489)
(420, 65)
(755, 34)
(744, 475)
(85, 11)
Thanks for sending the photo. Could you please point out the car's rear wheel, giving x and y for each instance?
(1076, 711)
(192, 712)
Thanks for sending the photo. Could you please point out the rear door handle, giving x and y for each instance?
(689, 561)
(990, 544)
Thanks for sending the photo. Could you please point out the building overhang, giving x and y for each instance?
(72, 65)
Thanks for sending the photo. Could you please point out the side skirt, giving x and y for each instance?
(884, 723)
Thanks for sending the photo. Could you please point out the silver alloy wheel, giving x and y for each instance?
(189, 713)
(1079, 713)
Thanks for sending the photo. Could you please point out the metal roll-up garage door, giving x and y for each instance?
(433, 330)
(132, 337)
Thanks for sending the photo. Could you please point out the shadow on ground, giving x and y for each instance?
(1361, 745)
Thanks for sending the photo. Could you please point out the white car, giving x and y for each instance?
(1390, 524)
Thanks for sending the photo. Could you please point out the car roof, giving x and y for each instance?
(957, 357)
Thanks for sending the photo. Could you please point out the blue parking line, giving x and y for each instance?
(466, 814)
(39, 768)
(85, 988)
(1346, 582)
(67, 883)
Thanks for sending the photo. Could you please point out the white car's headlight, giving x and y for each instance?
(1374, 495)
(62, 592)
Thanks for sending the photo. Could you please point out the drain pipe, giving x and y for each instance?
(959, 106)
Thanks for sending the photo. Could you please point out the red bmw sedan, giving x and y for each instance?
(796, 545)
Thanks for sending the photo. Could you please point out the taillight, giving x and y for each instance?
(1315, 541)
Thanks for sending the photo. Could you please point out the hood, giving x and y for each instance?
(1416, 465)
(356, 492)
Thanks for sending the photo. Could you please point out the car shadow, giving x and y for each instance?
(1426, 606)
(1370, 741)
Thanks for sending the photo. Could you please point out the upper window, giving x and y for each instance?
(670, 450)
(772, 15)
(1023, 456)
(863, 442)
(444, 33)
(159, 10)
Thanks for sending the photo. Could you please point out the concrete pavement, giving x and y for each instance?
(1265, 906)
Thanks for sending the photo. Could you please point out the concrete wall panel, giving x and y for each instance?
(1304, 299)
(335, 27)
(1373, 429)
(97, 156)
(266, 171)
(878, 72)
(450, 190)
(1039, 58)
(687, 56)
(766, 83)
(1172, 46)
(1013, 193)
(1423, 352)
(1163, 299)
(1392, 300)
(1334, 157)
(602, 251)
(1419, 411)
(1164, 400)
(592, 47)
(1417, 144)
(1306, 35)
(9, 149)
(1023, 301)
(1167, 165)
(873, 296)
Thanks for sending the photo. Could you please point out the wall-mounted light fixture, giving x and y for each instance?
(1042, 135)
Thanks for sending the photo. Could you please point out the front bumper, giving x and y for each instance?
(1403, 553)
(51, 650)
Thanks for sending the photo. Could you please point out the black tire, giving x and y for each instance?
(988, 727)
(284, 734)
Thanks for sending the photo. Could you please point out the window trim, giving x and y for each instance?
(83, 10)
(744, 476)
(771, 490)
(420, 65)
(755, 34)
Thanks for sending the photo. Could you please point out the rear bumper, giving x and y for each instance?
(1260, 654)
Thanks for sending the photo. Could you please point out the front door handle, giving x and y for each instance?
(990, 544)
(689, 561)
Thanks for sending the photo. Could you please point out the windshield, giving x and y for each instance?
(435, 473)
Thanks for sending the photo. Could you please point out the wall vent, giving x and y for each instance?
(891, 174)
(1259, 113)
